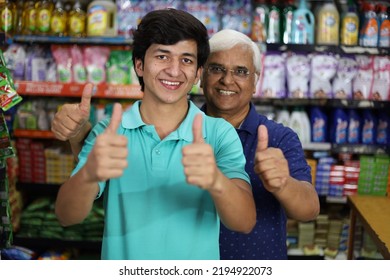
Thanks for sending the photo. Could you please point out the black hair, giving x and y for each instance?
(168, 27)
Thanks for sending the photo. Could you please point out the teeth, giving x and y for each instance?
(226, 92)
(171, 83)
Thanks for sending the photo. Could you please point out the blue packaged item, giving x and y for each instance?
(319, 125)
(369, 127)
(339, 127)
(354, 127)
(383, 129)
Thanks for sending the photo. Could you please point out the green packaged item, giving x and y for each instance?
(6, 237)
(119, 67)
(6, 149)
(8, 95)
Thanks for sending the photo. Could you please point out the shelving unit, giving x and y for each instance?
(28, 88)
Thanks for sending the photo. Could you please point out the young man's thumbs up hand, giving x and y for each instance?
(198, 160)
(108, 157)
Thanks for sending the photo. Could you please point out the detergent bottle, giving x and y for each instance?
(328, 23)
(303, 25)
(384, 27)
(349, 31)
(370, 30)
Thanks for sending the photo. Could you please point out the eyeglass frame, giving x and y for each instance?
(224, 70)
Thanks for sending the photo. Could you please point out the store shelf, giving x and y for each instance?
(118, 40)
(360, 149)
(75, 90)
(291, 102)
(29, 133)
(328, 49)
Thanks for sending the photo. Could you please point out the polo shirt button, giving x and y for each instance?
(157, 152)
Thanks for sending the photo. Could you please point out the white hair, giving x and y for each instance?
(228, 38)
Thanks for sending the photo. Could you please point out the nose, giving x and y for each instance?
(173, 68)
(227, 77)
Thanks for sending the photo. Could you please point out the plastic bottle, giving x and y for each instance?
(328, 23)
(7, 17)
(354, 127)
(101, 18)
(349, 31)
(274, 23)
(260, 21)
(283, 117)
(303, 25)
(44, 13)
(339, 126)
(58, 20)
(369, 127)
(384, 27)
(76, 21)
(370, 31)
(29, 18)
(287, 21)
(300, 123)
(319, 125)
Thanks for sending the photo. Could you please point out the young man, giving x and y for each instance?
(279, 173)
(169, 173)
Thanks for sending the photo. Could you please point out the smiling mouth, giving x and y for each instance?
(171, 84)
(226, 92)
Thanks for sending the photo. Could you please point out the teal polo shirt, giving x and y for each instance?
(151, 212)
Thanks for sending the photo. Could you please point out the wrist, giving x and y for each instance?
(82, 134)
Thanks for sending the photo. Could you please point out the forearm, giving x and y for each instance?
(75, 199)
(234, 203)
(299, 199)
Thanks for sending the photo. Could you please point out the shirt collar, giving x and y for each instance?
(132, 119)
(249, 124)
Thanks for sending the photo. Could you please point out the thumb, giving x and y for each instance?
(86, 96)
(262, 138)
(116, 118)
(197, 129)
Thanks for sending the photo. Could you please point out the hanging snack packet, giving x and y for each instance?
(8, 95)
(6, 149)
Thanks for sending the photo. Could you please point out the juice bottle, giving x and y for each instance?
(328, 22)
(29, 17)
(58, 20)
(44, 13)
(7, 17)
(349, 32)
(76, 21)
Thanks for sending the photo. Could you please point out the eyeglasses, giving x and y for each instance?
(239, 73)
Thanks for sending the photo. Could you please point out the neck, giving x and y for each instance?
(234, 118)
(166, 118)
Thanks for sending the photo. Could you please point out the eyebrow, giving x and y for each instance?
(168, 52)
(223, 66)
